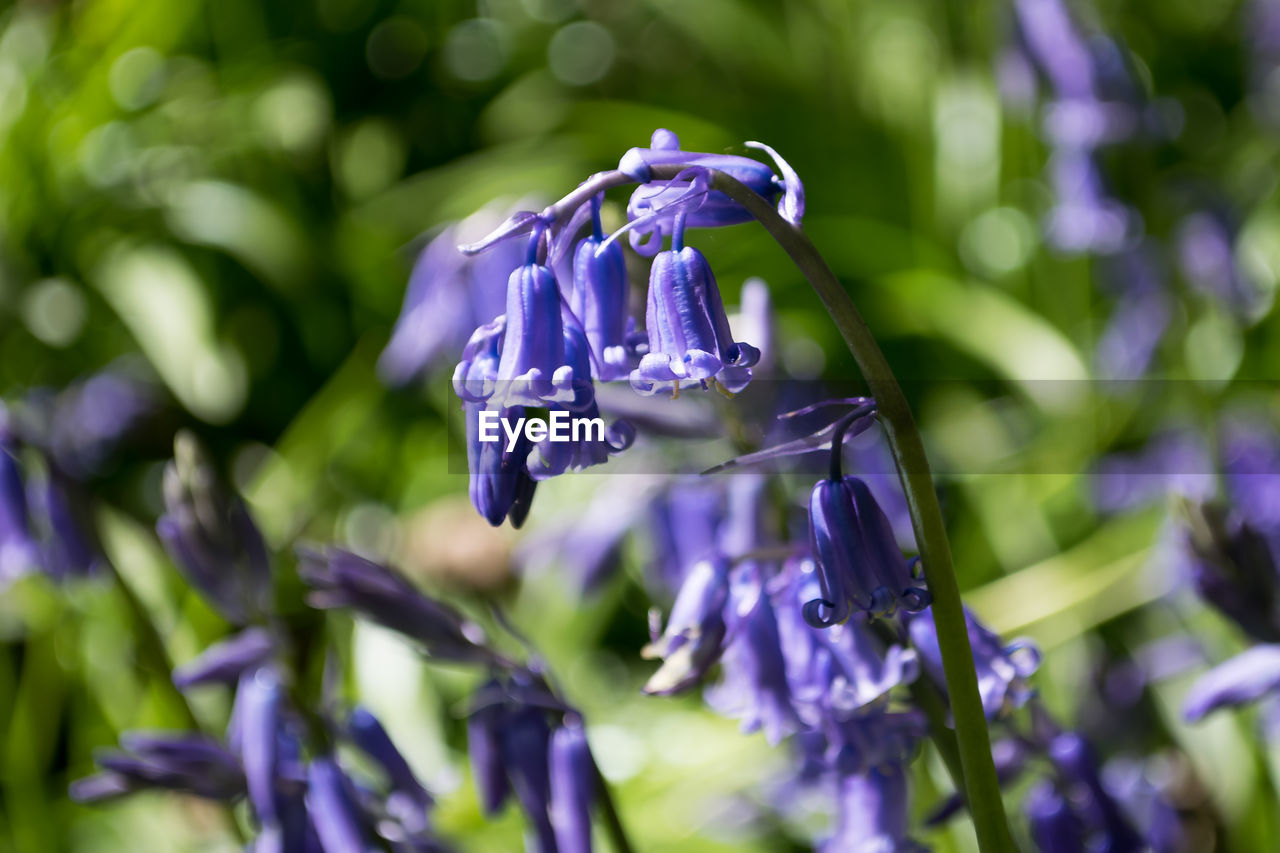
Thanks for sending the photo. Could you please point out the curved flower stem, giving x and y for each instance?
(981, 787)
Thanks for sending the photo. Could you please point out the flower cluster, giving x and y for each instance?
(566, 323)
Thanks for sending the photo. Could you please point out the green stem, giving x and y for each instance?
(981, 787)
(609, 812)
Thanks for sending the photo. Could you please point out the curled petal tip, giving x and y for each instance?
(519, 223)
(791, 205)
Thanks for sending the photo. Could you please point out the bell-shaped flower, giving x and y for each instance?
(500, 485)
(18, 551)
(573, 785)
(525, 740)
(340, 579)
(367, 733)
(1104, 819)
(754, 688)
(224, 662)
(599, 300)
(1243, 679)
(449, 294)
(189, 763)
(690, 342)
(210, 536)
(694, 638)
(532, 368)
(1055, 826)
(859, 565)
(484, 749)
(654, 207)
(333, 808)
(1002, 669)
(589, 442)
(873, 808)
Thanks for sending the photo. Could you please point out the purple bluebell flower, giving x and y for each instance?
(256, 740)
(226, 661)
(754, 688)
(1233, 568)
(1173, 463)
(1250, 453)
(683, 520)
(211, 537)
(1084, 218)
(500, 485)
(872, 812)
(1104, 819)
(183, 762)
(1243, 679)
(690, 342)
(1054, 44)
(341, 579)
(525, 740)
(551, 457)
(1002, 669)
(18, 551)
(652, 204)
(368, 734)
(573, 785)
(839, 670)
(332, 808)
(1055, 826)
(599, 300)
(484, 749)
(83, 424)
(63, 518)
(1132, 335)
(859, 566)
(1207, 258)
(449, 294)
(532, 368)
(694, 636)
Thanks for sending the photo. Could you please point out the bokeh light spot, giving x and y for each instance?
(580, 53)
(55, 311)
(395, 48)
(137, 78)
(474, 51)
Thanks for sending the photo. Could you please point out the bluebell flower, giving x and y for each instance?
(18, 551)
(449, 294)
(872, 811)
(1250, 453)
(573, 784)
(859, 566)
(532, 367)
(1084, 217)
(690, 342)
(1054, 44)
(500, 485)
(82, 425)
(1233, 568)
(835, 671)
(332, 808)
(1243, 679)
(257, 722)
(1207, 257)
(548, 458)
(1002, 669)
(211, 537)
(754, 687)
(694, 636)
(599, 300)
(341, 579)
(226, 661)
(183, 762)
(367, 733)
(484, 749)
(63, 518)
(1078, 770)
(683, 520)
(525, 740)
(652, 204)
(1055, 826)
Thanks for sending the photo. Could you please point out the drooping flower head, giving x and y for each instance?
(694, 636)
(655, 207)
(859, 564)
(1003, 669)
(599, 299)
(210, 536)
(690, 342)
